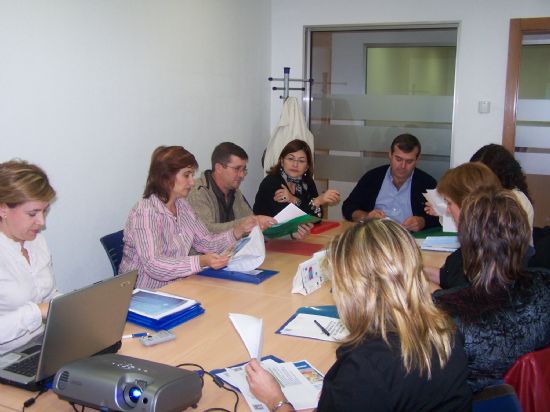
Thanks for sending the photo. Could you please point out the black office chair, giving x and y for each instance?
(113, 245)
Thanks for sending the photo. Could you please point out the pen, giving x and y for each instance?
(135, 335)
(326, 332)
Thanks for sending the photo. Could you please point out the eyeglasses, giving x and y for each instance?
(292, 159)
(238, 169)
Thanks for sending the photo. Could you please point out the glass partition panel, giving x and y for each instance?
(372, 85)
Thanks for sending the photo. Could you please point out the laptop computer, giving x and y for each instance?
(80, 324)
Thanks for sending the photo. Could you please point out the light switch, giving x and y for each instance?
(484, 106)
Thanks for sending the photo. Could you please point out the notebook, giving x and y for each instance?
(80, 324)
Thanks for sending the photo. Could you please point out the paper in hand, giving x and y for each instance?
(440, 207)
(250, 329)
(249, 252)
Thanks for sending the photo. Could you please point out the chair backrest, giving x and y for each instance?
(113, 245)
(530, 377)
(501, 398)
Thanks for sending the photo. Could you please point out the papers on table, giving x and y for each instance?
(314, 327)
(441, 243)
(156, 305)
(301, 383)
(309, 277)
(288, 220)
(440, 207)
(251, 331)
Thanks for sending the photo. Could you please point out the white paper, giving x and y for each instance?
(309, 276)
(288, 213)
(304, 325)
(250, 252)
(301, 385)
(440, 207)
(251, 331)
(441, 243)
(156, 305)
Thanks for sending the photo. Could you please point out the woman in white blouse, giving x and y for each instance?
(26, 279)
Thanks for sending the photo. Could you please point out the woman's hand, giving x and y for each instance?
(213, 260)
(283, 195)
(329, 197)
(303, 230)
(428, 208)
(44, 307)
(243, 226)
(263, 385)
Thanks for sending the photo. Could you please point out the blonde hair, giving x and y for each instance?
(379, 288)
(21, 182)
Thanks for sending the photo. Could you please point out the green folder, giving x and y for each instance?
(283, 229)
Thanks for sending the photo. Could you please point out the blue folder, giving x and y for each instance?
(238, 276)
(215, 372)
(167, 322)
(323, 310)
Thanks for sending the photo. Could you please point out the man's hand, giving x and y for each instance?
(265, 221)
(244, 225)
(414, 223)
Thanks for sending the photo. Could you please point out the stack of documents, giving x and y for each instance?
(441, 243)
(158, 310)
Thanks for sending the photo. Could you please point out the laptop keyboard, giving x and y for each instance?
(25, 367)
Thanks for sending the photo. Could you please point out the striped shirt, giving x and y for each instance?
(157, 243)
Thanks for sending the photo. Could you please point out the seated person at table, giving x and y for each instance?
(26, 277)
(511, 176)
(216, 198)
(162, 227)
(395, 190)
(454, 186)
(503, 314)
(402, 353)
(291, 181)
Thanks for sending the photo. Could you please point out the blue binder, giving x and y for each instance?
(167, 322)
(238, 276)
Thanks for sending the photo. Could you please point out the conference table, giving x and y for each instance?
(211, 341)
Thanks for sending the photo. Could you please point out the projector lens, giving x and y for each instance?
(134, 394)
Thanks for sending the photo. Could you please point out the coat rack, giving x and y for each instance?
(286, 80)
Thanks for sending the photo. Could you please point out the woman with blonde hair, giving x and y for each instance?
(26, 277)
(401, 353)
(503, 311)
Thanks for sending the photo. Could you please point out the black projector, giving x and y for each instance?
(121, 383)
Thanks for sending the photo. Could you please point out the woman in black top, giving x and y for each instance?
(454, 186)
(401, 353)
(503, 311)
(291, 181)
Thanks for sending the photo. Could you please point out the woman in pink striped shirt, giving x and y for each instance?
(162, 227)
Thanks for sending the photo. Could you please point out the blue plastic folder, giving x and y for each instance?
(167, 322)
(238, 276)
(326, 310)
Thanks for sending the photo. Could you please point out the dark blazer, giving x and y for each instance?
(363, 196)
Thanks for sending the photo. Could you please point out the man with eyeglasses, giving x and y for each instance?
(395, 190)
(216, 198)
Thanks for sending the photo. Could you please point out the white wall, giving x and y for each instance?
(89, 88)
(482, 50)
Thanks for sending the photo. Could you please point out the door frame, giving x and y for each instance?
(518, 28)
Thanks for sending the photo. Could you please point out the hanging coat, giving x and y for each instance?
(291, 126)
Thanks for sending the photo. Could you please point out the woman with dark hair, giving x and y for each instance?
(26, 275)
(503, 311)
(511, 176)
(291, 181)
(162, 227)
(402, 353)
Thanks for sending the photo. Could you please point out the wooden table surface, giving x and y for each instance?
(210, 339)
